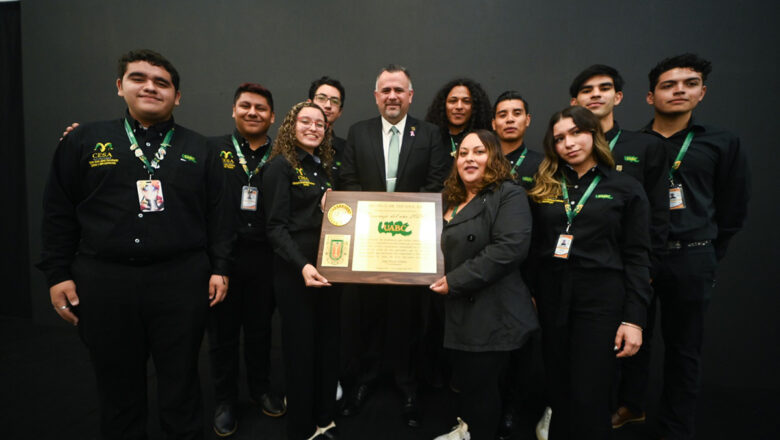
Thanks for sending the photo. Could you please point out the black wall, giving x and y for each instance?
(70, 50)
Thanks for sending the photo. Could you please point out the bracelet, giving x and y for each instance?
(631, 325)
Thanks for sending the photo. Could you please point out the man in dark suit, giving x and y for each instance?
(395, 153)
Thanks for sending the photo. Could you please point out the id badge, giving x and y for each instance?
(676, 199)
(150, 195)
(563, 246)
(249, 198)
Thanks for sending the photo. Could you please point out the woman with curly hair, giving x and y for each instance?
(488, 308)
(592, 280)
(458, 108)
(294, 185)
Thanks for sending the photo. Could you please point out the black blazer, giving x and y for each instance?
(488, 307)
(422, 166)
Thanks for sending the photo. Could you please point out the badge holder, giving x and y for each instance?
(150, 195)
(676, 197)
(249, 198)
(563, 246)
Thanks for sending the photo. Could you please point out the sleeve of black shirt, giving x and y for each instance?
(510, 238)
(276, 189)
(635, 250)
(221, 222)
(348, 175)
(732, 193)
(439, 166)
(656, 182)
(60, 227)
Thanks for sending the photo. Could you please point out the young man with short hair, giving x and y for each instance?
(138, 279)
(251, 303)
(329, 94)
(708, 197)
(511, 118)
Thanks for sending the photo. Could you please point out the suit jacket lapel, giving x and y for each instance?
(472, 209)
(406, 144)
(377, 150)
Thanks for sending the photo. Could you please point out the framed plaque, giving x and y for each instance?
(381, 238)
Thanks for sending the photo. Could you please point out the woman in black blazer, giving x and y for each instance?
(591, 271)
(488, 308)
(294, 183)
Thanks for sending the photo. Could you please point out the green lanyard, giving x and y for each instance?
(678, 159)
(454, 147)
(158, 157)
(242, 159)
(614, 140)
(571, 213)
(513, 171)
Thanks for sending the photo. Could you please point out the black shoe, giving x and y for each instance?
(271, 405)
(506, 429)
(411, 411)
(330, 434)
(225, 423)
(355, 401)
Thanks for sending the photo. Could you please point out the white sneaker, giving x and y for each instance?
(543, 427)
(459, 432)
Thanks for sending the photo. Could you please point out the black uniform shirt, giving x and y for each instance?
(292, 204)
(91, 205)
(645, 158)
(611, 231)
(716, 185)
(339, 144)
(524, 173)
(251, 224)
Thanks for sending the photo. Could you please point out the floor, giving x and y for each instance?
(47, 392)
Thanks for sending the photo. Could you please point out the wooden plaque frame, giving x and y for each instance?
(346, 274)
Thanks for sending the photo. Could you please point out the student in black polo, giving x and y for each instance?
(250, 306)
(137, 238)
(599, 88)
(329, 94)
(591, 262)
(294, 184)
(709, 189)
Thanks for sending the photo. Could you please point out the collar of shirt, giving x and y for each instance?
(571, 175)
(244, 144)
(514, 155)
(692, 125)
(303, 154)
(612, 131)
(156, 130)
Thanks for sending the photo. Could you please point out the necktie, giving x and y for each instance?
(392, 158)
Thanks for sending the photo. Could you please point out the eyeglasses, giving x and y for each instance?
(307, 122)
(322, 99)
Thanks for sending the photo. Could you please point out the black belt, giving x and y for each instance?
(681, 244)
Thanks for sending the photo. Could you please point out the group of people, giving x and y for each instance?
(581, 241)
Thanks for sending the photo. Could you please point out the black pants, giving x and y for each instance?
(310, 344)
(390, 319)
(580, 311)
(249, 305)
(684, 285)
(477, 374)
(127, 313)
(634, 374)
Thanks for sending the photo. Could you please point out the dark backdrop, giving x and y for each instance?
(70, 50)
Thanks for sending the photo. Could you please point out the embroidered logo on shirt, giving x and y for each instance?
(227, 159)
(188, 158)
(603, 196)
(393, 228)
(551, 201)
(101, 155)
(528, 179)
(302, 179)
(632, 159)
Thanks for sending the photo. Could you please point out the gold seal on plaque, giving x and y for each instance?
(339, 214)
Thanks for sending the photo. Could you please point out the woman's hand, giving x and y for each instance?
(440, 286)
(322, 202)
(312, 278)
(628, 339)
